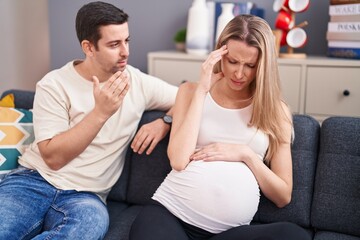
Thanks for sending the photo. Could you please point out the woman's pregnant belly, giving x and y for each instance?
(214, 196)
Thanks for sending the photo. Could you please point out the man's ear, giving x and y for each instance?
(88, 48)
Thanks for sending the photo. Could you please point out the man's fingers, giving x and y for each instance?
(115, 80)
(135, 145)
(122, 88)
(141, 145)
(152, 146)
(96, 82)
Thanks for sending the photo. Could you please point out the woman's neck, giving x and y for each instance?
(230, 98)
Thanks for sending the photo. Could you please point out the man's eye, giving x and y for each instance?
(232, 62)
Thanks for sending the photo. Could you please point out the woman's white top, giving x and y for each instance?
(217, 195)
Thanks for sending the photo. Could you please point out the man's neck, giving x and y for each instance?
(87, 71)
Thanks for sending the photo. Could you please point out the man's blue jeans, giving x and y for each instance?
(31, 208)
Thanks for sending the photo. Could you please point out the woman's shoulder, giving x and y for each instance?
(187, 88)
(186, 92)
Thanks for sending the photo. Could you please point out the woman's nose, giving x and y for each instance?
(239, 73)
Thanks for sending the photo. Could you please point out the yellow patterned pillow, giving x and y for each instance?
(16, 132)
(7, 101)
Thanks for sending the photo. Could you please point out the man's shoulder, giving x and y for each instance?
(68, 67)
(58, 74)
(65, 68)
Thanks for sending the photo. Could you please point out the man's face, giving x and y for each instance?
(113, 48)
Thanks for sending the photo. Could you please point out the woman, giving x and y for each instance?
(224, 128)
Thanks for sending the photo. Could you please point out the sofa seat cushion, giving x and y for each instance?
(118, 191)
(324, 235)
(122, 216)
(336, 202)
(304, 156)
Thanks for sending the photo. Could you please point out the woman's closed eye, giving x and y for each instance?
(232, 61)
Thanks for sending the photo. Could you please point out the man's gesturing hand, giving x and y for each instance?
(109, 98)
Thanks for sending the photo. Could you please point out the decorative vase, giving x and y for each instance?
(226, 15)
(198, 28)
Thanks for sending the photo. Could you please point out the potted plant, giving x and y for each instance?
(180, 39)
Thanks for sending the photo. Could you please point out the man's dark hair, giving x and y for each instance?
(94, 15)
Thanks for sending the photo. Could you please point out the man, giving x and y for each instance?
(85, 115)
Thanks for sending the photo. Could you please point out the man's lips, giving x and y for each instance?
(123, 62)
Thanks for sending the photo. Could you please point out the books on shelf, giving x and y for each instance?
(344, 9)
(339, 52)
(343, 36)
(343, 32)
(344, 27)
(344, 49)
(336, 2)
(346, 44)
(345, 18)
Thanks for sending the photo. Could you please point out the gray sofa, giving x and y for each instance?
(326, 194)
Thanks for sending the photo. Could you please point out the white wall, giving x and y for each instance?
(24, 43)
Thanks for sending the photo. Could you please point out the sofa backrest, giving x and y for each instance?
(142, 174)
(22, 98)
(304, 151)
(336, 202)
(147, 172)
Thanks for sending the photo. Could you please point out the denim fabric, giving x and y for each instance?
(31, 208)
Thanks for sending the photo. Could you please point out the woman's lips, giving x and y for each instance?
(238, 83)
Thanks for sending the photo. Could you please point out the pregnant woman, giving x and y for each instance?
(230, 138)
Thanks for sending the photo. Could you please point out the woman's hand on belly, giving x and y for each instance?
(223, 152)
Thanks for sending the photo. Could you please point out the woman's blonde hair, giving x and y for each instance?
(268, 111)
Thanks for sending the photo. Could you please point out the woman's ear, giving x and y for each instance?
(88, 48)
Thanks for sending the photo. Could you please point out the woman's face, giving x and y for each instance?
(239, 65)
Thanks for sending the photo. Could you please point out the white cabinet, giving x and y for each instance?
(290, 77)
(175, 67)
(318, 86)
(333, 91)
